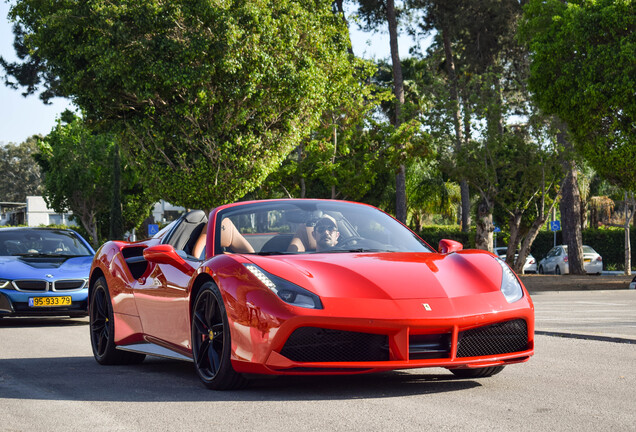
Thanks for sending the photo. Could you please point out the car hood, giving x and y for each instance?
(12, 267)
(388, 275)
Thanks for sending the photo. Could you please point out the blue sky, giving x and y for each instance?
(22, 117)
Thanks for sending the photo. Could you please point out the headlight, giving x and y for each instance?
(285, 290)
(4, 283)
(510, 286)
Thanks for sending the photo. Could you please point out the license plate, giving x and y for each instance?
(49, 301)
(587, 260)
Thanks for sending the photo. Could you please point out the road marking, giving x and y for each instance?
(600, 303)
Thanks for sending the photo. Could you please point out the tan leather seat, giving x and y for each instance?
(231, 238)
(303, 240)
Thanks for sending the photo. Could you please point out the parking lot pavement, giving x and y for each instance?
(596, 314)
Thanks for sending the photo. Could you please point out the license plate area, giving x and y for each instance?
(50, 301)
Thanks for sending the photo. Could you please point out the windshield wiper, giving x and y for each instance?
(356, 250)
(44, 255)
(265, 253)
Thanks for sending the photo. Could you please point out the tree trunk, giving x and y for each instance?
(116, 231)
(537, 224)
(299, 160)
(457, 120)
(628, 246)
(484, 225)
(515, 238)
(526, 244)
(333, 159)
(571, 223)
(398, 90)
(400, 195)
(88, 222)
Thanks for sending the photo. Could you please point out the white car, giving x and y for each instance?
(556, 261)
(529, 267)
(632, 284)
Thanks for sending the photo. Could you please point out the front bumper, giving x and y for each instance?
(16, 303)
(441, 337)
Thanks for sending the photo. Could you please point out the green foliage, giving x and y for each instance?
(513, 169)
(583, 71)
(209, 97)
(347, 153)
(433, 234)
(19, 175)
(78, 176)
(431, 195)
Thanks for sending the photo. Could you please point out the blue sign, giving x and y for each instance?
(152, 229)
(555, 226)
(497, 229)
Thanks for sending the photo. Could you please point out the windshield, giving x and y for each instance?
(586, 249)
(311, 226)
(41, 242)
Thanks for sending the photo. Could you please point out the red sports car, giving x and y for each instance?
(305, 287)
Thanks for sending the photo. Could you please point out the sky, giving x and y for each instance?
(22, 117)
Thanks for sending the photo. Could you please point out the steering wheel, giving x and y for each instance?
(349, 241)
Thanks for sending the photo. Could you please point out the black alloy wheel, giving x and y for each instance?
(477, 373)
(102, 329)
(211, 344)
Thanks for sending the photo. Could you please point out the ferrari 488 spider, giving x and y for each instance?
(305, 287)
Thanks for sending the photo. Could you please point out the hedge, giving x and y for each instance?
(609, 242)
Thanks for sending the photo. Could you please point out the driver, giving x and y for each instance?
(326, 233)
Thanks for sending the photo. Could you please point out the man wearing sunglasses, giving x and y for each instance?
(326, 233)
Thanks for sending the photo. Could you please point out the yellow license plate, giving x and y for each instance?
(49, 301)
(587, 260)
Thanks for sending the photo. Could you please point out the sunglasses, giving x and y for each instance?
(325, 227)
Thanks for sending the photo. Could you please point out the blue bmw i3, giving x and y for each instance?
(43, 272)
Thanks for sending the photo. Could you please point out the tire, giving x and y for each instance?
(211, 343)
(477, 373)
(540, 269)
(557, 270)
(102, 329)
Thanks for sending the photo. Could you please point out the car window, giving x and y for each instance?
(271, 227)
(41, 242)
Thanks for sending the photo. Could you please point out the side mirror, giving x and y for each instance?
(447, 246)
(166, 254)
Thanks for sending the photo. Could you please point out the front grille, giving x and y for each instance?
(313, 344)
(68, 285)
(501, 338)
(429, 346)
(35, 285)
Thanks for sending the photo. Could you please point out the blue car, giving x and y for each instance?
(43, 272)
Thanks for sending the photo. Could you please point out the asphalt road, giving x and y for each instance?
(582, 378)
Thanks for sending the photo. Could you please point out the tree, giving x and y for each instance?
(377, 13)
(583, 71)
(520, 177)
(77, 164)
(207, 97)
(444, 18)
(19, 175)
